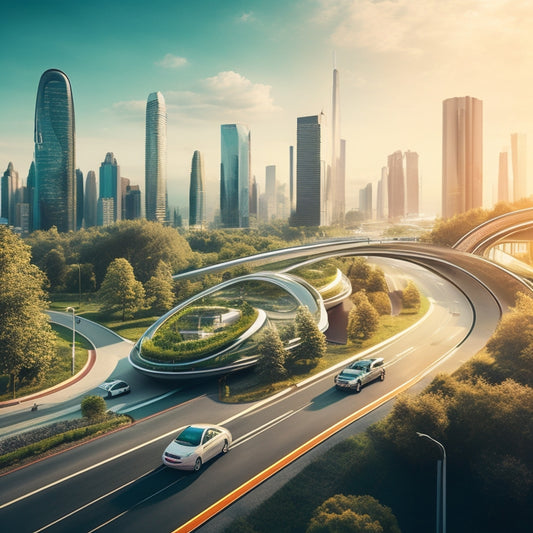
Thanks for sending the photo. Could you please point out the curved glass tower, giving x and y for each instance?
(156, 158)
(197, 192)
(54, 201)
(235, 176)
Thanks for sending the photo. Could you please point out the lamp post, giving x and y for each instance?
(73, 336)
(441, 485)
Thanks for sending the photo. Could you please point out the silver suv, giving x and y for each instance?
(359, 373)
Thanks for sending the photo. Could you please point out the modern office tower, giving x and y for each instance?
(156, 158)
(396, 185)
(124, 184)
(254, 199)
(235, 176)
(309, 171)
(30, 192)
(411, 183)
(382, 196)
(55, 184)
(110, 185)
(105, 211)
(336, 184)
(503, 177)
(197, 215)
(519, 161)
(10, 185)
(22, 216)
(132, 202)
(292, 191)
(271, 192)
(90, 200)
(462, 155)
(79, 199)
(365, 202)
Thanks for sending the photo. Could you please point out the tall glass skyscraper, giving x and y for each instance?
(79, 199)
(197, 192)
(110, 186)
(235, 175)
(156, 158)
(91, 199)
(54, 202)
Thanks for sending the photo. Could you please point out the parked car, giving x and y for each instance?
(115, 387)
(195, 445)
(359, 373)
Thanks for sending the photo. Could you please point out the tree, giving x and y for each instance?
(93, 407)
(271, 364)
(380, 302)
(411, 297)
(26, 338)
(120, 289)
(312, 340)
(160, 289)
(55, 269)
(376, 281)
(363, 319)
(353, 514)
(358, 273)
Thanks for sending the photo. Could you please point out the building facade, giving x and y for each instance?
(156, 158)
(110, 185)
(412, 184)
(54, 202)
(10, 184)
(503, 177)
(462, 155)
(197, 200)
(396, 185)
(90, 200)
(235, 175)
(519, 162)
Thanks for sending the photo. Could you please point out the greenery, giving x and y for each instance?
(93, 407)
(410, 298)
(272, 355)
(312, 342)
(363, 319)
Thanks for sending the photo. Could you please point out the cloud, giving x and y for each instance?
(246, 17)
(172, 61)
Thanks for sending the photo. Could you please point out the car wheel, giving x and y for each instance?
(197, 464)
(382, 376)
(109, 395)
(358, 387)
(225, 448)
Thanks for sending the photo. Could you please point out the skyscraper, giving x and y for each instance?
(503, 177)
(10, 185)
(132, 201)
(382, 196)
(235, 175)
(411, 183)
(156, 158)
(396, 185)
(309, 171)
(90, 200)
(365, 202)
(79, 198)
(292, 192)
(271, 192)
(110, 185)
(519, 161)
(336, 184)
(55, 184)
(197, 215)
(462, 155)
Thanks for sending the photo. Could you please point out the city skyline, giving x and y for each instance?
(397, 60)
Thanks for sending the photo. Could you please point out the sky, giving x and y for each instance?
(265, 63)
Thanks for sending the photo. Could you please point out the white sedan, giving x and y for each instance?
(195, 445)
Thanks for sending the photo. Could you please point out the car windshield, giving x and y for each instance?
(347, 373)
(190, 436)
(360, 367)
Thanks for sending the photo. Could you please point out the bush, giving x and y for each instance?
(93, 407)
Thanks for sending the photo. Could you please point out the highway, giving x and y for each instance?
(118, 481)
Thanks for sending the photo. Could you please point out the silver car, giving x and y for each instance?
(195, 445)
(359, 373)
(115, 387)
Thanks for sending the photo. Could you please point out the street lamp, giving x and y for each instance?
(73, 336)
(441, 485)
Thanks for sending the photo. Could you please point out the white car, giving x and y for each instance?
(115, 387)
(195, 445)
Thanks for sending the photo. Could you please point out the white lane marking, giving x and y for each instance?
(148, 402)
(405, 352)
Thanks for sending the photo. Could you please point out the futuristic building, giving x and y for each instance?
(10, 184)
(235, 175)
(54, 202)
(156, 158)
(197, 214)
(110, 186)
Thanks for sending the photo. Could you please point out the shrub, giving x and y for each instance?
(93, 407)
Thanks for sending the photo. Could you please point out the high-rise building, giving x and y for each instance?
(365, 202)
(462, 155)
(519, 161)
(10, 184)
(90, 200)
(271, 192)
(79, 198)
(132, 202)
(105, 211)
(156, 158)
(30, 193)
(503, 177)
(110, 185)
(292, 192)
(336, 184)
(55, 184)
(382, 195)
(411, 183)
(235, 175)
(254, 200)
(197, 214)
(309, 172)
(396, 185)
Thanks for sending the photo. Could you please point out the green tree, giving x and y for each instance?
(376, 281)
(312, 341)
(160, 289)
(55, 269)
(381, 302)
(26, 338)
(120, 290)
(363, 319)
(358, 273)
(411, 297)
(93, 407)
(271, 363)
(353, 514)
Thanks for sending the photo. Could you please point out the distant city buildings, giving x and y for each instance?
(519, 162)
(411, 184)
(156, 158)
(55, 185)
(235, 175)
(462, 155)
(110, 188)
(10, 184)
(79, 199)
(396, 185)
(503, 177)
(271, 193)
(90, 200)
(365, 202)
(132, 202)
(197, 209)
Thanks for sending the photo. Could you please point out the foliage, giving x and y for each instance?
(358, 273)
(120, 289)
(271, 363)
(159, 289)
(363, 319)
(312, 343)
(93, 407)
(357, 514)
(55, 269)
(26, 338)
(380, 302)
(411, 298)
